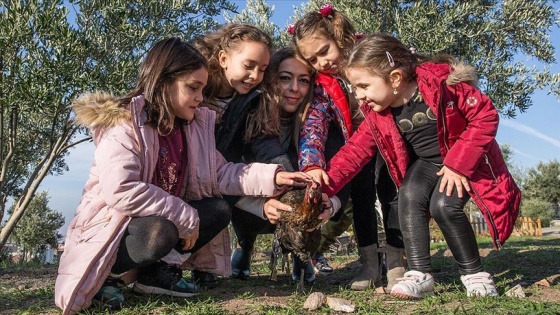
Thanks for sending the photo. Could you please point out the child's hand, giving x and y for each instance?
(319, 175)
(295, 179)
(452, 179)
(272, 208)
(188, 242)
(324, 216)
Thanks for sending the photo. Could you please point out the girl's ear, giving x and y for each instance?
(223, 58)
(396, 78)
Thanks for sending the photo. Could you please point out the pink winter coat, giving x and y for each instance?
(119, 188)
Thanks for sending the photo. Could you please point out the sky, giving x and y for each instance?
(532, 135)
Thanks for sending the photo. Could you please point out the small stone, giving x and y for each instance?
(340, 305)
(21, 287)
(543, 283)
(314, 301)
(517, 291)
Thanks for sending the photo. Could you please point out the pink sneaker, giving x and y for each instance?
(414, 285)
(479, 284)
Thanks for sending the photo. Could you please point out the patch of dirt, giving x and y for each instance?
(525, 263)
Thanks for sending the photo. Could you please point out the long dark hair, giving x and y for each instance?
(266, 118)
(229, 37)
(165, 61)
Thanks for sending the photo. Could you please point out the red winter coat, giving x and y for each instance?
(467, 122)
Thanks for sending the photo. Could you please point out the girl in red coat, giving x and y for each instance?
(436, 131)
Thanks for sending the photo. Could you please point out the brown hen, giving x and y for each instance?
(296, 230)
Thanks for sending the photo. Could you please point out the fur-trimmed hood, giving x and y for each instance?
(461, 72)
(99, 110)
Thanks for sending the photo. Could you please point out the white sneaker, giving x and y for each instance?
(414, 285)
(479, 284)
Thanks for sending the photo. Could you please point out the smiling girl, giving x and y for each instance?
(436, 131)
(155, 184)
(323, 38)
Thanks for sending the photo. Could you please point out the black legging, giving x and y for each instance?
(247, 226)
(388, 198)
(363, 204)
(419, 192)
(147, 239)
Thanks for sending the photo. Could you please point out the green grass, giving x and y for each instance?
(524, 260)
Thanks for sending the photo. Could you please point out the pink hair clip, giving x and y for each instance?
(327, 10)
(291, 29)
(359, 36)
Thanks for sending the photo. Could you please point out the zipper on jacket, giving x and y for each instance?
(495, 237)
(442, 113)
(490, 167)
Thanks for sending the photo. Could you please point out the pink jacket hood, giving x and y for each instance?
(119, 188)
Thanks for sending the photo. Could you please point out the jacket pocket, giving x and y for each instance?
(93, 228)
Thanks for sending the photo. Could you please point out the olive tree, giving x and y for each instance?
(51, 51)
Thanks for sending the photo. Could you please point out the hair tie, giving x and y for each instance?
(359, 36)
(327, 10)
(412, 50)
(291, 29)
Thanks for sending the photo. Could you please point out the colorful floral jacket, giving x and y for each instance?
(329, 106)
(467, 123)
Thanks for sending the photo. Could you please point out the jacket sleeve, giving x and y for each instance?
(253, 205)
(350, 159)
(254, 179)
(121, 185)
(313, 135)
(481, 127)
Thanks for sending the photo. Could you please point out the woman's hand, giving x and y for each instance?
(319, 175)
(272, 209)
(451, 179)
(295, 179)
(188, 242)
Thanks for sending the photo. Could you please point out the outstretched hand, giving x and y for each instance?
(272, 209)
(295, 179)
(450, 180)
(319, 175)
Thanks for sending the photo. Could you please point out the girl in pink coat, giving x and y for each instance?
(153, 196)
(436, 132)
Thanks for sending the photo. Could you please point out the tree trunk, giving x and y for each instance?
(35, 180)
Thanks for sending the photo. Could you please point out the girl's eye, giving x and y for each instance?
(304, 81)
(248, 67)
(285, 78)
(312, 60)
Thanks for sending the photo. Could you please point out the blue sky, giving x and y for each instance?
(532, 135)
